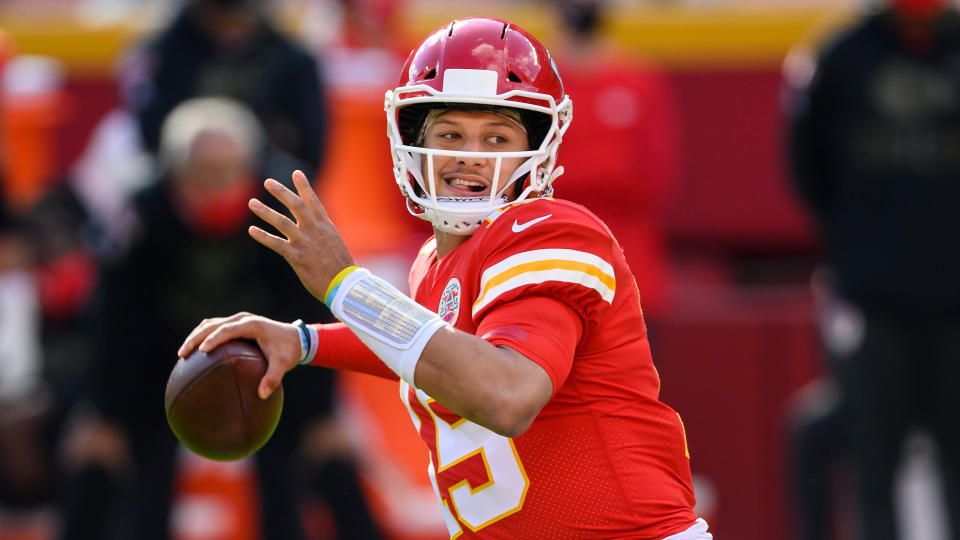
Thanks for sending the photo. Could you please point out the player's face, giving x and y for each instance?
(473, 131)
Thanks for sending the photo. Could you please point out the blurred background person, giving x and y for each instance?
(26, 472)
(875, 149)
(818, 456)
(231, 48)
(46, 276)
(189, 253)
(624, 145)
(208, 47)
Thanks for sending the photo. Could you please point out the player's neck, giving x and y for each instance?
(447, 242)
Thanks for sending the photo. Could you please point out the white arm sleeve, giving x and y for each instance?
(389, 322)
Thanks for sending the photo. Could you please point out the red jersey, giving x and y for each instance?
(604, 458)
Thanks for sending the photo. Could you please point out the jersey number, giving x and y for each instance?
(476, 505)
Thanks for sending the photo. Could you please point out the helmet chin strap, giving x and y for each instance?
(548, 192)
(460, 215)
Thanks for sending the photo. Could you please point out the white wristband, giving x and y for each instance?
(390, 323)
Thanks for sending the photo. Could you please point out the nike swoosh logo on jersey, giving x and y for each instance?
(518, 227)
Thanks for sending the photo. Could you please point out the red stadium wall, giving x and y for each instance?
(734, 191)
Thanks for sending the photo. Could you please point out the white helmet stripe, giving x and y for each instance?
(470, 82)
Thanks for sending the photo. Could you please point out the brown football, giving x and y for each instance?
(212, 402)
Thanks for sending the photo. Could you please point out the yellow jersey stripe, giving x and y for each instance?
(544, 255)
(538, 266)
(532, 278)
(546, 265)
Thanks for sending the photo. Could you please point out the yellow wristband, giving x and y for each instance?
(332, 288)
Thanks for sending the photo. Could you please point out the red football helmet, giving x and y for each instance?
(476, 63)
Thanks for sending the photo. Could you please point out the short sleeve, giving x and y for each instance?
(567, 256)
(542, 329)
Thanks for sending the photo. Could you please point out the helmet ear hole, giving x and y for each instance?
(537, 124)
(513, 77)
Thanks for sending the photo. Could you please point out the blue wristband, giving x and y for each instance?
(305, 344)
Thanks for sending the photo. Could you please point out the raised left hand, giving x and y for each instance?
(312, 245)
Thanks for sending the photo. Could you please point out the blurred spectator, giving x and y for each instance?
(25, 473)
(817, 436)
(621, 156)
(45, 276)
(230, 48)
(41, 199)
(876, 156)
(113, 166)
(189, 255)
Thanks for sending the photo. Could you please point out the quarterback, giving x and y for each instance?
(521, 351)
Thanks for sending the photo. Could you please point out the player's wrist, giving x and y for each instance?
(335, 283)
(390, 323)
(309, 340)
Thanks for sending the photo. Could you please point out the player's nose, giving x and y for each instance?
(473, 145)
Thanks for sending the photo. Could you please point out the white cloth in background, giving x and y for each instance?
(20, 357)
(113, 166)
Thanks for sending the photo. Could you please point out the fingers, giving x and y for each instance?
(279, 221)
(244, 328)
(196, 336)
(306, 192)
(286, 197)
(280, 343)
(273, 242)
(199, 333)
(271, 379)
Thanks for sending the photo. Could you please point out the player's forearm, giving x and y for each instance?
(495, 387)
(339, 348)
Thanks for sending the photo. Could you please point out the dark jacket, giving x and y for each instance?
(170, 279)
(875, 148)
(274, 76)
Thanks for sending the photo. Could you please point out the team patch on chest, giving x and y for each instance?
(449, 307)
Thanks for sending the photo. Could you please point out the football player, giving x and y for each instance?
(521, 352)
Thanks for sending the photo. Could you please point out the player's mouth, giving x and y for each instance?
(466, 184)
